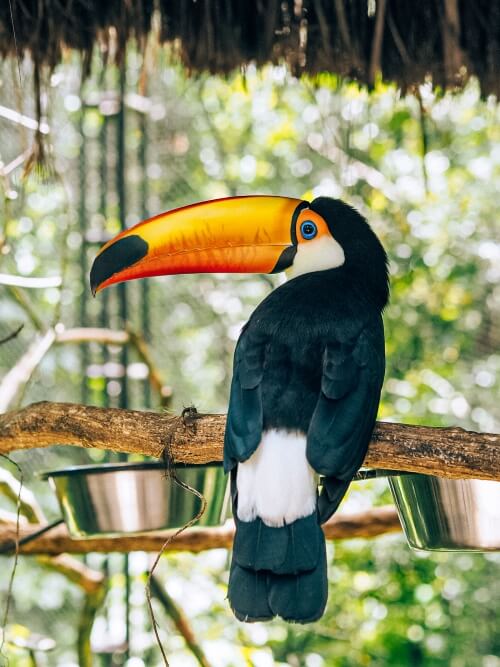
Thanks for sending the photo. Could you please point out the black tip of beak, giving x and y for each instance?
(117, 257)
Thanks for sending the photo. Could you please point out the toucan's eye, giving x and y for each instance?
(308, 229)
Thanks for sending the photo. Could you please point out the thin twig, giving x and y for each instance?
(170, 472)
(30, 283)
(92, 583)
(14, 382)
(378, 38)
(92, 335)
(424, 143)
(9, 488)
(12, 335)
(28, 308)
(15, 42)
(16, 162)
(25, 121)
(398, 41)
(139, 344)
(180, 620)
(16, 558)
(343, 25)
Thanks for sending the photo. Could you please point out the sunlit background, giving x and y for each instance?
(423, 169)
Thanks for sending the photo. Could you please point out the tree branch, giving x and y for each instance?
(371, 523)
(446, 452)
(15, 381)
(30, 283)
(24, 302)
(141, 347)
(92, 335)
(90, 581)
(10, 488)
(17, 378)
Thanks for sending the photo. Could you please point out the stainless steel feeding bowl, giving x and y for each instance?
(113, 499)
(448, 514)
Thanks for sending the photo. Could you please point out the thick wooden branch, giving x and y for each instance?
(446, 452)
(371, 523)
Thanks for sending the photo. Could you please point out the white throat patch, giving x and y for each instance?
(316, 255)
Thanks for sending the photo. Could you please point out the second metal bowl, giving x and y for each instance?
(448, 514)
(128, 498)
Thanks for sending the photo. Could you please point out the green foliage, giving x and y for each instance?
(425, 173)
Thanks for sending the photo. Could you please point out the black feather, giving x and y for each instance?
(300, 598)
(279, 571)
(245, 415)
(247, 593)
(291, 549)
(342, 422)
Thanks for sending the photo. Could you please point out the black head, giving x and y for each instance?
(365, 257)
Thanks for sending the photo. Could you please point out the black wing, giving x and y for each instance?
(245, 414)
(344, 417)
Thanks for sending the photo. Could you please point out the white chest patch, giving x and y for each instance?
(277, 483)
(316, 255)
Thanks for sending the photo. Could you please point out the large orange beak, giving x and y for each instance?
(236, 235)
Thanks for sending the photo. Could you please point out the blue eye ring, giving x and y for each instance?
(308, 230)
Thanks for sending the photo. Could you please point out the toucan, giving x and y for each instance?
(308, 372)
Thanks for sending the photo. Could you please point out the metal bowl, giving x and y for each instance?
(448, 514)
(129, 498)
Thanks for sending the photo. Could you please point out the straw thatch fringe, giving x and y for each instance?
(398, 40)
(402, 40)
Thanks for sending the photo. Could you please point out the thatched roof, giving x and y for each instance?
(405, 40)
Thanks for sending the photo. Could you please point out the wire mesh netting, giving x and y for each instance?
(425, 173)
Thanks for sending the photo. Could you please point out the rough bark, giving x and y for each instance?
(196, 438)
(371, 523)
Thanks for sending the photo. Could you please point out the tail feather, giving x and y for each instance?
(248, 594)
(291, 549)
(300, 598)
(279, 571)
